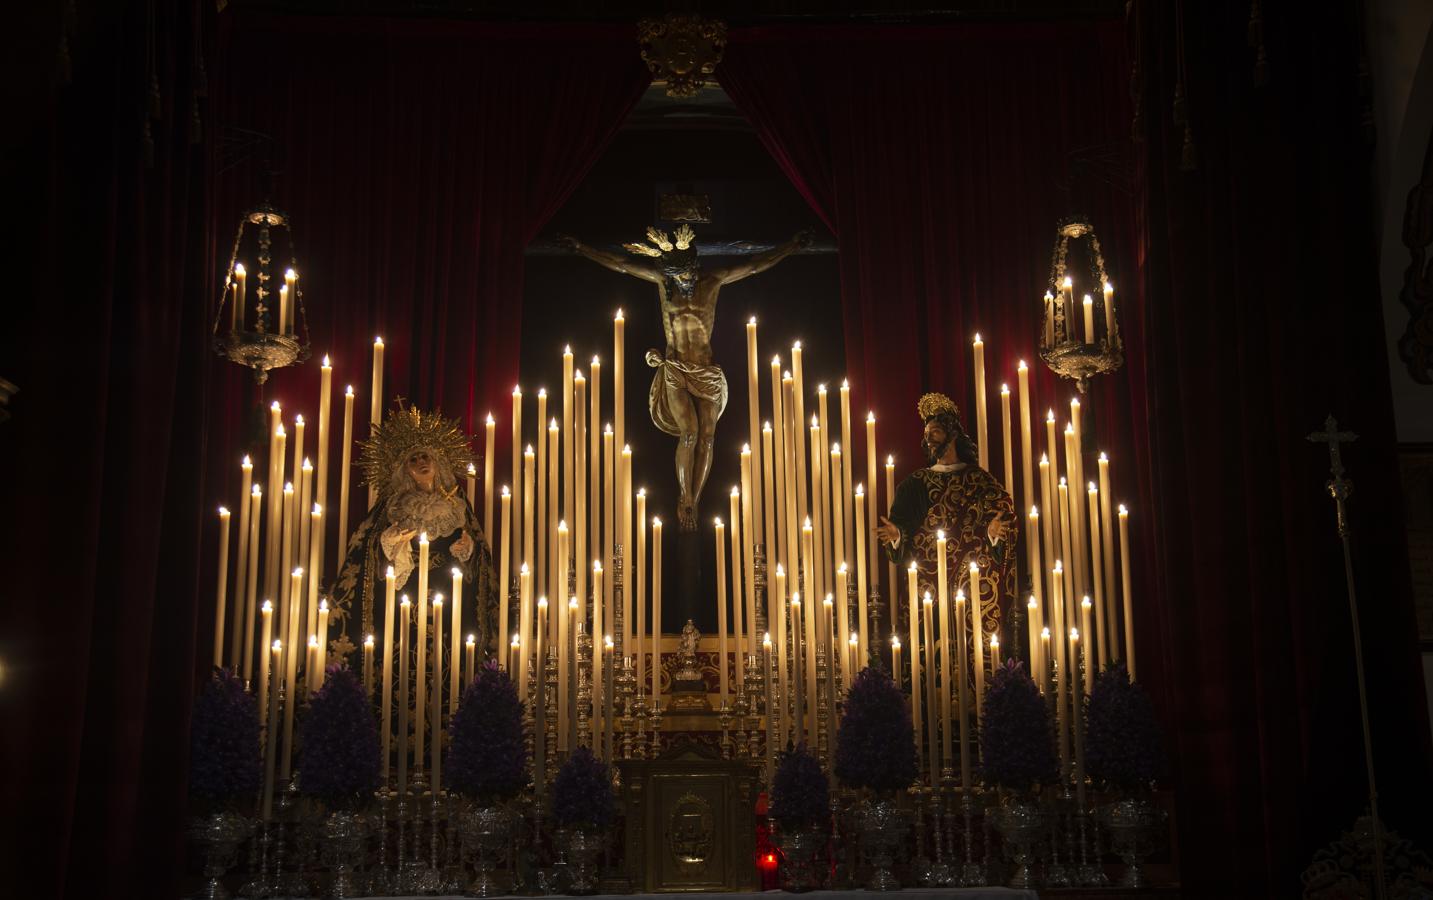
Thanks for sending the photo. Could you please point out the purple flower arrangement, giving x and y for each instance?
(800, 791)
(582, 792)
(1017, 745)
(1122, 743)
(875, 745)
(487, 750)
(338, 743)
(224, 756)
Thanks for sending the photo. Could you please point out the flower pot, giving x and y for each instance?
(881, 826)
(803, 857)
(219, 834)
(487, 831)
(582, 846)
(1132, 823)
(1020, 822)
(344, 835)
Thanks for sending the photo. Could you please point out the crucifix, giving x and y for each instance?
(689, 390)
(1339, 489)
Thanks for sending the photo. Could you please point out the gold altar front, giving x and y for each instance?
(691, 821)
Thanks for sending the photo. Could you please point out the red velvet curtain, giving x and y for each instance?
(106, 336)
(942, 158)
(417, 160)
(1263, 318)
(929, 153)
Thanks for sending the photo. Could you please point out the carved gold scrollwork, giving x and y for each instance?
(682, 49)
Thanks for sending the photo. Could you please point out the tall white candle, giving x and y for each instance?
(777, 549)
(750, 531)
(344, 476)
(526, 638)
(569, 461)
(580, 547)
(266, 613)
(421, 674)
(290, 680)
(435, 700)
(320, 489)
(1107, 546)
(961, 666)
(639, 598)
(541, 573)
(1089, 305)
(519, 509)
(1125, 590)
(375, 409)
(722, 661)
(472, 487)
(490, 436)
(848, 552)
(753, 416)
(221, 590)
(504, 574)
(977, 632)
(938, 704)
(913, 622)
(1009, 470)
(942, 588)
(595, 539)
(983, 448)
(322, 634)
(656, 609)
(277, 438)
(1101, 657)
(565, 661)
(873, 489)
(386, 704)
(256, 506)
(273, 663)
(862, 600)
(1027, 454)
(839, 534)
(738, 608)
(406, 610)
(455, 635)
(619, 381)
(1086, 612)
(242, 616)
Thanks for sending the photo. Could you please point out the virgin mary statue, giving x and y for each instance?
(412, 459)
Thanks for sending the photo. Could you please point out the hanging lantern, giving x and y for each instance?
(261, 322)
(1079, 334)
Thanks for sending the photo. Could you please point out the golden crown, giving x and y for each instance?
(659, 244)
(407, 429)
(934, 404)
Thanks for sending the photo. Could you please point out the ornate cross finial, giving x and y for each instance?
(1338, 487)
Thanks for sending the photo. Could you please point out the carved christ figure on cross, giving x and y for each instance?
(689, 391)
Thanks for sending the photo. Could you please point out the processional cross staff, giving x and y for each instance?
(1340, 488)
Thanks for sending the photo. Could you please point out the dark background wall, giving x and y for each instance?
(568, 300)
